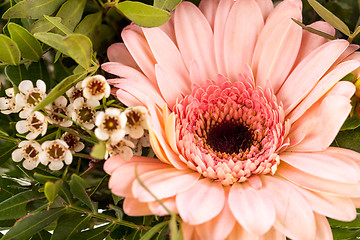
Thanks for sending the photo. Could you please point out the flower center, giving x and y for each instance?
(34, 98)
(70, 140)
(31, 152)
(56, 152)
(96, 87)
(229, 137)
(35, 124)
(56, 115)
(133, 118)
(77, 93)
(86, 114)
(230, 131)
(111, 123)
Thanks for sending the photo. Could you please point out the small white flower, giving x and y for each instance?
(136, 121)
(28, 150)
(29, 95)
(83, 112)
(35, 123)
(110, 124)
(73, 142)
(95, 87)
(55, 152)
(59, 106)
(140, 143)
(75, 92)
(123, 148)
(8, 104)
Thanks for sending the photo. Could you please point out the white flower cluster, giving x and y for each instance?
(125, 132)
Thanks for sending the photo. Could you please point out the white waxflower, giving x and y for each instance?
(73, 142)
(140, 143)
(123, 148)
(35, 123)
(59, 106)
(136, 121)
(95, 87)
(8, 104)
(110, 124)
(75, 92)
(28, 150)
(29, 96)
(55, 152)
(83, 111)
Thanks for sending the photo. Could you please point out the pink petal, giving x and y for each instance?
(316, 183)
(170, 88)
(354, 56)
(135, 42)
(169, 58)
(266, 7)
(246, 17)
(208, 8)
(194, 204)
(118, 52)
(324, 164)
(219, 227)
(123, 177)
(195, 38)
(323, 230)
(324, 85)
(311, 41)
(164, 183)
(159, 210)
(133, 207)
(340, 208)
(273, 234)
(328, 114)
(170, 132)
(113, 163)
(290, 205)
(251, 208)
(272, 59)
(221, 17)
(188, 231)
(308, 72)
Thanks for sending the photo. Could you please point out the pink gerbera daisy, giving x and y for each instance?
(242, 108)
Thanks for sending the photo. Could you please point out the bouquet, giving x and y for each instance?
(179, 120)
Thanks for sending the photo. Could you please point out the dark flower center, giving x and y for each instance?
(71, 140)
(77, 93)
(229, 137)
(36, 123)
(57, 117)
(34, 98)
(133, 118)
(56, 151)
(86, 114)
(96, 87)
(111, 123)
(31, 151)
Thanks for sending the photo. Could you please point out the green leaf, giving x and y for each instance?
(43, 25)
(98, 151)
(98, 233)
(42, 235)
(60, 89)
(51, 190)
(33, 9)
(53, 40)
(351, 122)
(65, 193)
(6, 151)
(30, 48)
(71, 12)
(33, 223)
(44, 178)
(58, 25)
(88, 24)
(16, 74)
(142, 14)
(345, 234)
(329, 17)
(9, 51)
(15, 207)
(313, 30)
(149, 234)
(77, 187)
(79, 48)
(355, 224)
(346, 139)
(70, 224)
(167, 5)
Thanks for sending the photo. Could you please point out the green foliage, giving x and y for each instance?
(9, 51)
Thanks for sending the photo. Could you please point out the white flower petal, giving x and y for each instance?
(4, 103)
(22, 126)
(26, 86)
(30, 164)
(126, 153)
(32, 135)
(101, 134)
(56, 165)
(99, 118)
(136, 132)
(116, 136)
(10, 92)
(79, 146)
(61, 102)
(43, 157)
(40, 84)
(68, 157)
(17, 155)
